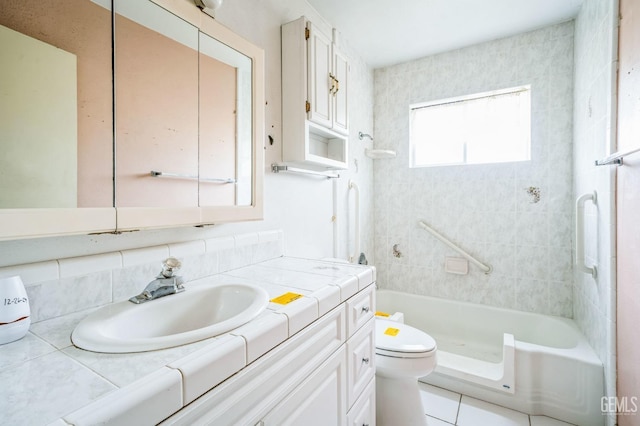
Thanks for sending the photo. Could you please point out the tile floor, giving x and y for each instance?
(445, 408)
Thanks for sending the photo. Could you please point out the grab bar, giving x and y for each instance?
(486, 268)
(580, 254)
(155, 173)
(356, 190)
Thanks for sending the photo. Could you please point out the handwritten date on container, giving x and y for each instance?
(15, 301)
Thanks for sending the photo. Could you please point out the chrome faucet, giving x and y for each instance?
(165, 283)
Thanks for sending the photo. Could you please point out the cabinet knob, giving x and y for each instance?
(365, 309)
(365, 360)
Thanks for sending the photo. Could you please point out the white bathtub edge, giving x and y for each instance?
(497, 376)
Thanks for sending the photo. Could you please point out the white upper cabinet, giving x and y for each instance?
(314, 97)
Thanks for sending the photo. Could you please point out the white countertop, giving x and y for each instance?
(45, 378)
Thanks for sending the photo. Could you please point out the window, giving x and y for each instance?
(491, 127)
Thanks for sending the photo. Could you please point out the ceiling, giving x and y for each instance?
(387, 32)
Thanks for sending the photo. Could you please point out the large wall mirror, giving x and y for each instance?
(185, 145)
(56, 121)
(189, 108)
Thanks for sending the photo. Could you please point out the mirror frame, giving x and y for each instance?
(46, 222)
(20, 223)
(132, 218)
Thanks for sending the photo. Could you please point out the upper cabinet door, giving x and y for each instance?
(321, 84)
(341, 83)
(328, 70)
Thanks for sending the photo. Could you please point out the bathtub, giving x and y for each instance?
(533, 363)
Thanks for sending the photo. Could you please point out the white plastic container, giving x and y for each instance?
(15, 313)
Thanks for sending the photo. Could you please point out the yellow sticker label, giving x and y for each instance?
(382, 314)
(391, 331)
(286, 298)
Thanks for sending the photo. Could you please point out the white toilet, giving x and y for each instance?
(403, 354)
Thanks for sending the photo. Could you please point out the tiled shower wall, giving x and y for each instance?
(486, 209)
(64, 286)
(594, 299)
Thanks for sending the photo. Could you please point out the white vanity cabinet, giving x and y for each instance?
(323, 375)
(361, 358)
(315, 77)
(363, 412)
(319, 401)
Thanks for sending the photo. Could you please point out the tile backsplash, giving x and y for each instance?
(64, 286)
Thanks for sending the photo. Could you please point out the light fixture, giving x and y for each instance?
(208, 5)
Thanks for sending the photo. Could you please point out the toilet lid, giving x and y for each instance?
(401, 340)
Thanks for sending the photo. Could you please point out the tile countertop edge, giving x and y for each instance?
(178, 382)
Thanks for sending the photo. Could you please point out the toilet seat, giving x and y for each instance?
(398, 340)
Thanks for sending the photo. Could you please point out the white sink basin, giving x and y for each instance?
(198, 313)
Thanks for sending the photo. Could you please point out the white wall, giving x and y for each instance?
(594, 130)
(301, 206)
(483, 208)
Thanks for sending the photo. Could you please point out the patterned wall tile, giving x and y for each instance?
(484, 208)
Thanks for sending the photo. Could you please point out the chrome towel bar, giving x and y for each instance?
(277, 168)
(615, 159)
(155, 173)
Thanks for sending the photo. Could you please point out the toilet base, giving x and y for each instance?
(398, 402)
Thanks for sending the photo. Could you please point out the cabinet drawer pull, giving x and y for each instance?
(365, 309)
(365, 360)
(333, 84)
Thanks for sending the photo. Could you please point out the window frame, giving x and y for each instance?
(465, 98)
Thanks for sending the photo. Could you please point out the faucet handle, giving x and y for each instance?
(169, 266)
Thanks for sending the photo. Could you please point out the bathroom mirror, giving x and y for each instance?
(56, 117)
(189, 117)
(156, 106)
(61, 180)
(225, 125)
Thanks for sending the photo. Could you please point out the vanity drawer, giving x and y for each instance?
(361, 361)
(363, 412)
(360, 309)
